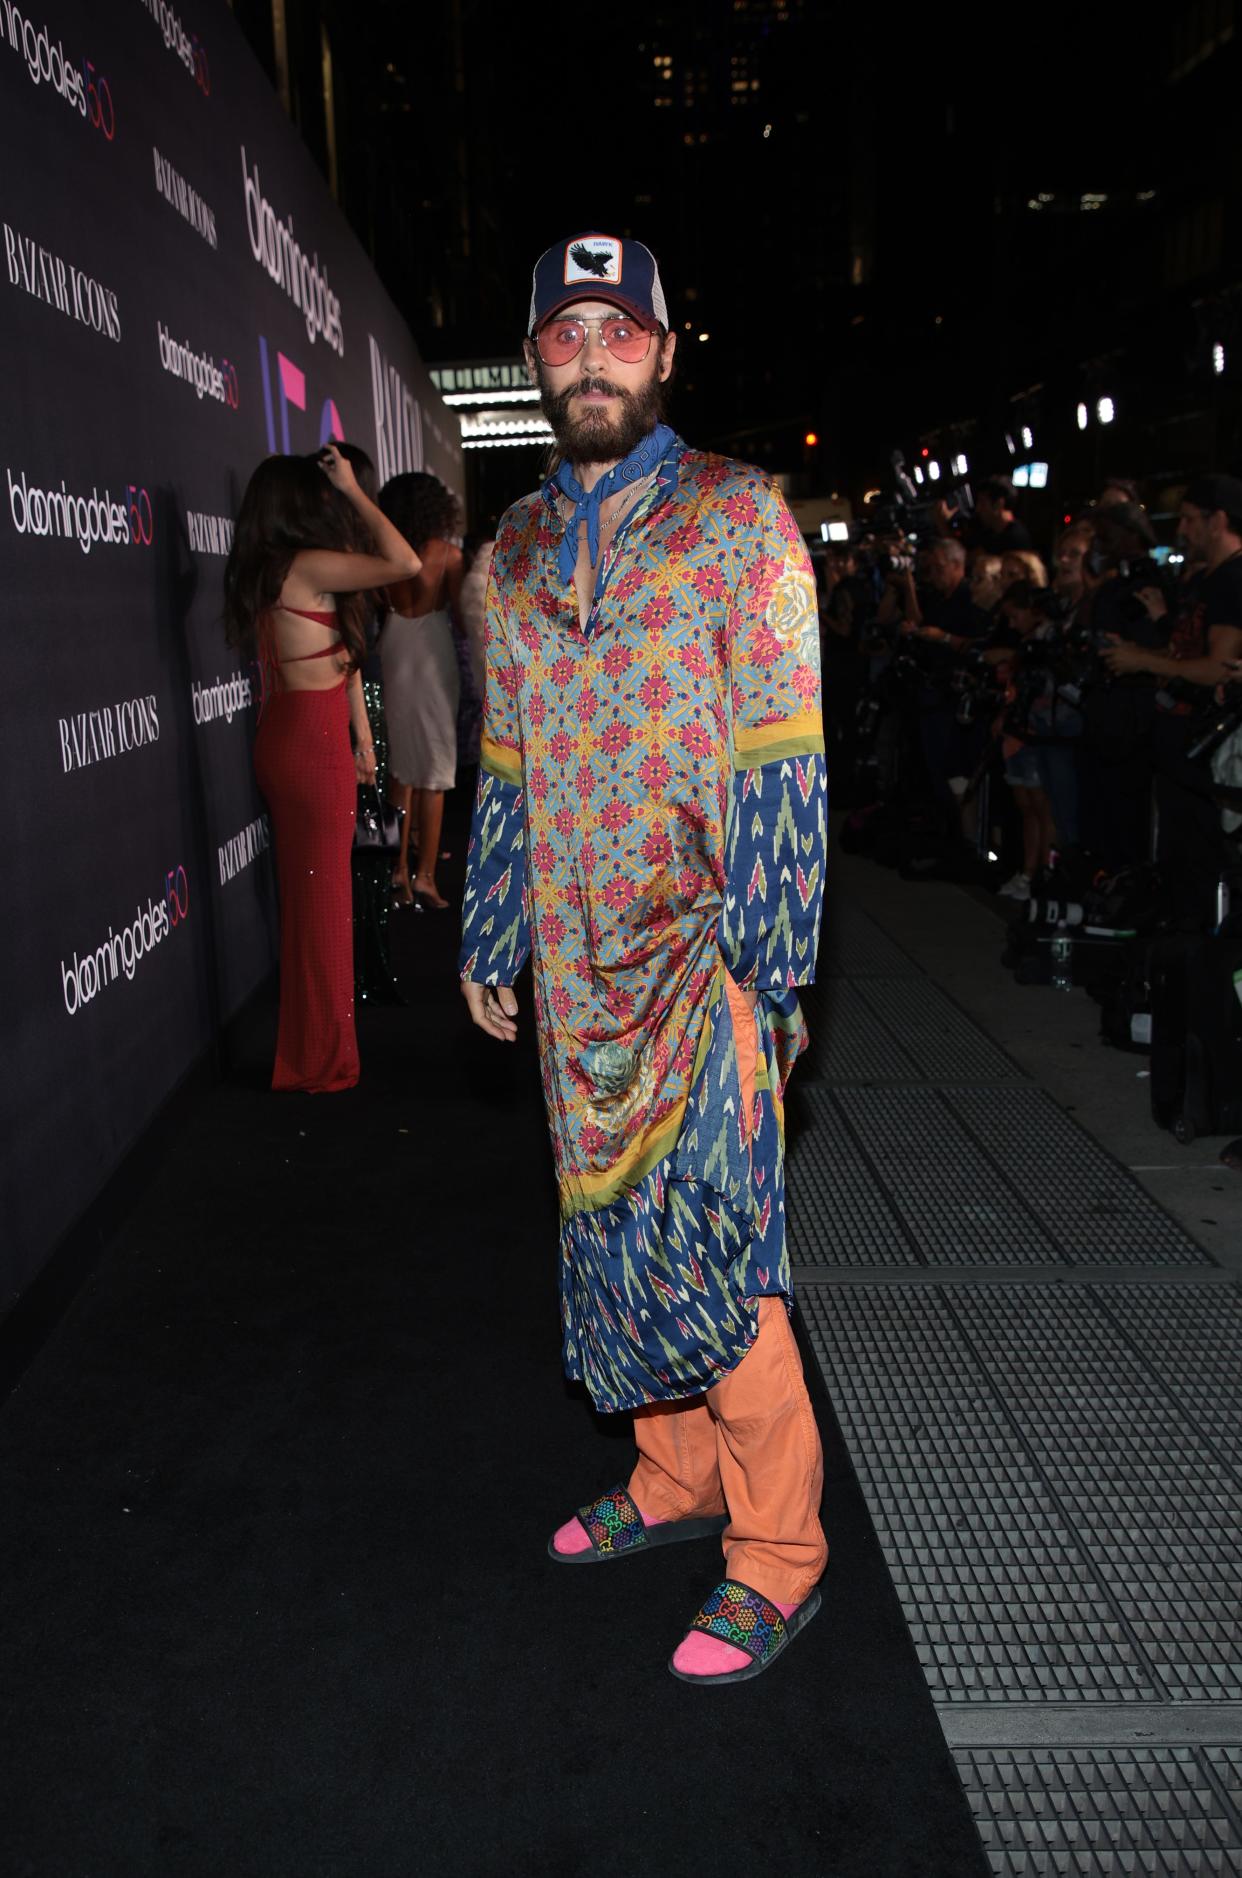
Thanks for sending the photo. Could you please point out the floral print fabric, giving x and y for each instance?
(651, 812)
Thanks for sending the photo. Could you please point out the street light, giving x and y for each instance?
(1082, 417)
(933, 470)
(1106, 410)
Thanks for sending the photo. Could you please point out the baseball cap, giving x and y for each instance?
(598, 267)
(1216, 492)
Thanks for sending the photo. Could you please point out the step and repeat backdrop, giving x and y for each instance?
(179, 297)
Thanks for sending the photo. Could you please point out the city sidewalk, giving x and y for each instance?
(1022, 1296)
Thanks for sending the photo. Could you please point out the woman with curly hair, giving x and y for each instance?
(421, 679)
(307, 547)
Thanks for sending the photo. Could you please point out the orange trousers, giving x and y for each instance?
(750, 1445)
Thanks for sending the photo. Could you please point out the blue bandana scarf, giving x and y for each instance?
(648, 455)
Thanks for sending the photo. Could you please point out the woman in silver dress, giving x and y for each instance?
(421, 682)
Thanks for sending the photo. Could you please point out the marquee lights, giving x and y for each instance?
(530, 428)
(530, 396)
(1028, 441)
(1106, 410)
(1082, 417)
(501, 443)
(1218, 359)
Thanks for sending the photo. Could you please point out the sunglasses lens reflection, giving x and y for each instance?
(560, 341)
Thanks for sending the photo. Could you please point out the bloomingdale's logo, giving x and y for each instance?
(121, 953)
(226, 698)
(88, 520)
(198, 369)
(83, 87)
(275, 248)
(183, 45)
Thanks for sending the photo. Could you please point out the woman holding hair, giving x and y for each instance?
(422, 683)
(307, 547)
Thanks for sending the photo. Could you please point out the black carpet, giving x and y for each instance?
(274, 1499)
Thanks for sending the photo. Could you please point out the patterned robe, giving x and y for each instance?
(651, 811)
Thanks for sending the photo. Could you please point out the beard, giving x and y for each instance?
(594, 436)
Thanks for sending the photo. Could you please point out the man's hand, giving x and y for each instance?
(1120, 655)
(493, 1008)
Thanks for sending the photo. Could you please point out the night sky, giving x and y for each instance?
(888, 226)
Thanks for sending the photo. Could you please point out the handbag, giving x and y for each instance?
(377, 826)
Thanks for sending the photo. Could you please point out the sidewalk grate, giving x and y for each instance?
(848, 1042)
(896, 1030)
(1101, 1811)
(1093, 1207)
(836, 1210)
(957, 1176)
(1053, 1464)
(854, 946)
(956, 1205)
(1002, 1602)
(1056, 1523)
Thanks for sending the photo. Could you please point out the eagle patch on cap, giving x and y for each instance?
(593, 258)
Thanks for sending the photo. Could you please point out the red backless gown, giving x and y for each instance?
(305, 768)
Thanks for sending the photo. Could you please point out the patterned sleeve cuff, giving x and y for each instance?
(495, 938)
(769, 922)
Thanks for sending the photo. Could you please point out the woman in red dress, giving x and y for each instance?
(308, 547)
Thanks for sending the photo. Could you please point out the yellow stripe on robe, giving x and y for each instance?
(499, 760)
(802, 735)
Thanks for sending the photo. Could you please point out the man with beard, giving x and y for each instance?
(650, 830)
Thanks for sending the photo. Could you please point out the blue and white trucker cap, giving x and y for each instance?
(598, 267)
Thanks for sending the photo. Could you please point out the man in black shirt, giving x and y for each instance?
(943, 614)
(995, 528)
(1206, 638)
(845, 614)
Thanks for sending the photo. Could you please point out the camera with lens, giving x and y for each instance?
(1215, 722)
(1135, 577)
(973, 685)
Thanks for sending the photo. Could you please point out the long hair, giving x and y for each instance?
(289, 505)
(422, 508)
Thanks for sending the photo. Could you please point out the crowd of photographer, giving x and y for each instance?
(1072, 701)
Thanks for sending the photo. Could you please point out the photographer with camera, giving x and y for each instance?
(941, 619)
(1040, 727)
(1201, 654)
(1118, 697)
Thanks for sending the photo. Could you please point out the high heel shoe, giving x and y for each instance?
(402, 892)
(429, 901)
